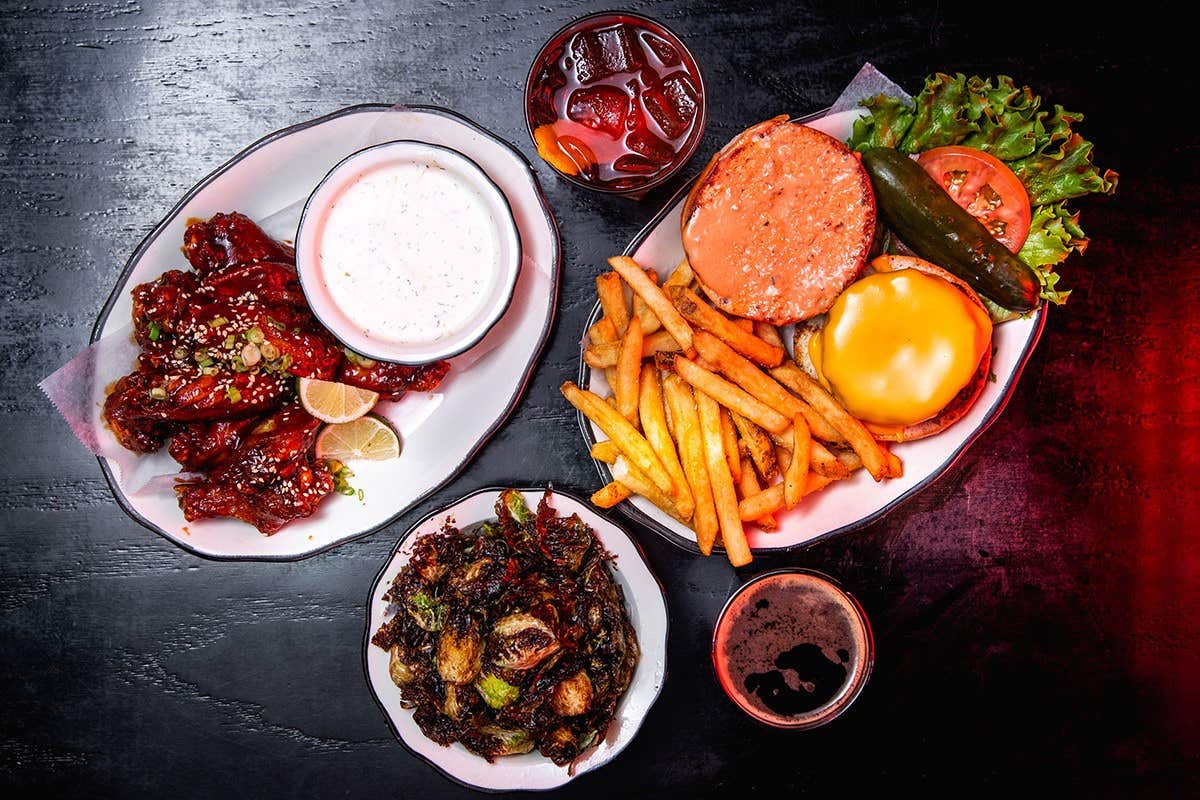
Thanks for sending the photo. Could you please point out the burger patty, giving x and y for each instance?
(780, 221)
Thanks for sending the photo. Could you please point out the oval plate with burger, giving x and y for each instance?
(864, 287)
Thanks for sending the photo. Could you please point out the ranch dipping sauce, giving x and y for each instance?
(409, 252)
(792, 649)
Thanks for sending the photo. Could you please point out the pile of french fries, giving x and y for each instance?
(708, 419)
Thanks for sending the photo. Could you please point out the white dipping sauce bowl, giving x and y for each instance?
(465, 176)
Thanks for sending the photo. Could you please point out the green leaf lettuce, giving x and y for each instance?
(995, 115)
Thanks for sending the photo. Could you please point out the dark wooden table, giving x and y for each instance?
(1035, 611)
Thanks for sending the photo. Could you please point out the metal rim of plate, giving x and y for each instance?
(637, 515)
(378, 580)
(518, 393)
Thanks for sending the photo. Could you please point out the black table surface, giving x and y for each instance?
(1035, 611)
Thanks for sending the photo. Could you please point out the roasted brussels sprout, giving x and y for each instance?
(521, 641)
(504, 742)
(400, 671)
(573, 695)
(427, 612)
(460, 652)
(496, 691)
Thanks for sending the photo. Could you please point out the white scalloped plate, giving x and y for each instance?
(845, 505)
(644, 599)
(449, 427)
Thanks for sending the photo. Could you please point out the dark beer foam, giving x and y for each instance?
(792, 649)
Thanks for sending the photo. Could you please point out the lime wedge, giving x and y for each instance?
(334, 402)
(368, 438)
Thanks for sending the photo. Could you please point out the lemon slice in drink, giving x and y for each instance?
(334, 402)
(367, 438)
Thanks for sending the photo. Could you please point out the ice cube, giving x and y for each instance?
(645, 143)
(605, 52)
(601, 108)
(637, 165)
(673, 106)
(663, 50)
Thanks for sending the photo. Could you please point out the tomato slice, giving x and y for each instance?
(984, 186)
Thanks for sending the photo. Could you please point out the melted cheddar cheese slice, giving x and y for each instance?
(898, 346)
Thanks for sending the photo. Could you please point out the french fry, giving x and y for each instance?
(783, 456)
(659, 342)
(849, 459)
(768, 333)
(748, 487)
(816, 483)
(681, 404)
(604, 333)
(629, 368)
(610, 495)
(654, 427)
(636, 481)
(770, 500)
(730, 441)
(682, 275)
(758, 446)
(606, 354)
(650, 322)
(822, 460)
(856, 435)
(658, 302)
(765, 503)
(731, 396)
(760, 385)
(620, 432)
(797, 472)
(895, 465)
(612, 300)
(707, 318)
(733, 535)
(745, 324)
(602, 356)
(605, 451)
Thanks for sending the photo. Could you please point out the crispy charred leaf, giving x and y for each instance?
(496, 691)
(1052, 161)
(563, 540)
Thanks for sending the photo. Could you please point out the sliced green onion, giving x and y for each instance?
(254, 335)
(251, 355)
(158, 393)
(233, 394)
(155, 331)
(269, 351)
